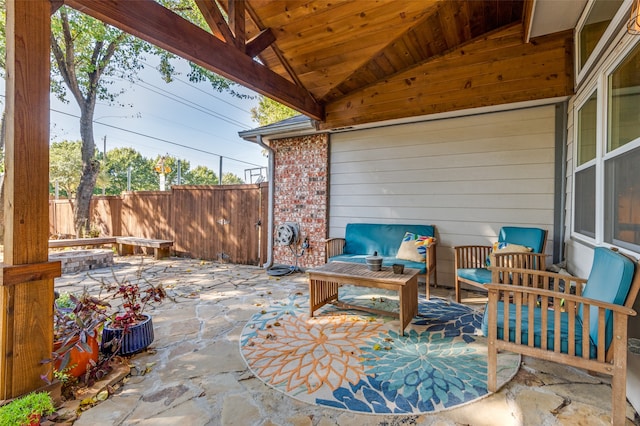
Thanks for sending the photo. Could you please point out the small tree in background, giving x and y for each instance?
(269, 111)
(65, 166)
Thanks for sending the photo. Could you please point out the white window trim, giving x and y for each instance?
(619, 20)
(599, 82)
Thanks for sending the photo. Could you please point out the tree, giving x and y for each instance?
(65, 166)
(201, 175)
(231, 179)
(269, 111)
(84, 52)
(117, 164)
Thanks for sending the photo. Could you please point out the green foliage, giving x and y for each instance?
(3, 37)
(21, 410)
(201, 175)
(65, 165)
(231, 179)
(143, 177)
(269, 111)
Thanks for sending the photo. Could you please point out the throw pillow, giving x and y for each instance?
(506, 248)
(414, 247)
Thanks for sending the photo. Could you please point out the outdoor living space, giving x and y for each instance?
(194, 372)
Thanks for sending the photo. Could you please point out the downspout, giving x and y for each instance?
(269, 263)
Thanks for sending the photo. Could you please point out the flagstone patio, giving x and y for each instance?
(194, 373)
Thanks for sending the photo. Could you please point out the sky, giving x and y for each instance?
(158, 118)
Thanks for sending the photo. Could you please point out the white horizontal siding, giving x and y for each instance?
(468, 176)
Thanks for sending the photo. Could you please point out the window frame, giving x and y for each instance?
(617, 22)
(598, 83)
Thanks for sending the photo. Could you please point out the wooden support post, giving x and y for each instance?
(26, 286)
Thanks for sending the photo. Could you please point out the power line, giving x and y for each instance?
(190, 104)
(160, 139)
(184, 101)
(203, 91)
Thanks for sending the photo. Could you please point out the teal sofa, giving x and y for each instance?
(364, 239)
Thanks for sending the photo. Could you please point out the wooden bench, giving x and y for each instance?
(127, 245)
(78, 242)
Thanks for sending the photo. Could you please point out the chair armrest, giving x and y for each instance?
(536, 261)
(334, 247)
(567, 284)
(551, 304)
(471, 256)
(430, 256)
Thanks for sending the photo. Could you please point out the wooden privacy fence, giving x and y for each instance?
(226, 222)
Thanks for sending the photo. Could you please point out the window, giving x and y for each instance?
(607, 154)
(624, 102)
(622, 198)
(587, 126)
(596, 23)
(622, 174)
(585, 205)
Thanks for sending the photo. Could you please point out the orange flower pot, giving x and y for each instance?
(79, 358)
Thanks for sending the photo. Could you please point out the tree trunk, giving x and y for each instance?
(90, 169)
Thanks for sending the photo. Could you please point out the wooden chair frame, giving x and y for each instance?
(529, 288)
(475, 257)
(335, 247)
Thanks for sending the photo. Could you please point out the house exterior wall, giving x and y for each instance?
(468, 176)
(579, 250)
(300, 195)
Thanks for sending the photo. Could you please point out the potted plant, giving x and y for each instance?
(77, 324)
(27, 410)
(130, 328)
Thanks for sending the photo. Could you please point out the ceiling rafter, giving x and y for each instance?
(277, 52)
(158, 25)
(237, 22)
(215, 20)
(415, 47)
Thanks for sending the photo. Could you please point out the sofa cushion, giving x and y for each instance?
(413, 247)
(479, 275)
(387, 261)
(537, 331)
(367, 238)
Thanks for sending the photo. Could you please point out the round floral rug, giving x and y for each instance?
(357, 361)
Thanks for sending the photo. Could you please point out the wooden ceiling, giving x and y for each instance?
(328, 58)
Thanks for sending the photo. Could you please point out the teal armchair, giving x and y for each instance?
(564, 319)
(471, 261)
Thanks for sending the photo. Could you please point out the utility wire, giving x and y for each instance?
(190, 104)
(200, 90)
(160, 139)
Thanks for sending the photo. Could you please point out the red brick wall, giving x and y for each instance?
(301, 193)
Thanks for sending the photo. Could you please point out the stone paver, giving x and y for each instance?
(195, 375)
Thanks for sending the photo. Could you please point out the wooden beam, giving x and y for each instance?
(527, 19)
(26, 298)
(237, 22)
(55, 5)
(214, 18)
(154, 23)
(260, 42)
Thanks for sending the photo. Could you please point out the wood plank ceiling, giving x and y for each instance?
(331, 59)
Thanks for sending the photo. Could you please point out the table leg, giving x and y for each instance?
(408, 295)
(321, 292)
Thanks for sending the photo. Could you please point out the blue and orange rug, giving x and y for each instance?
(355, 361)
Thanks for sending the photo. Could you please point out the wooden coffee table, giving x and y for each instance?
(325, 280)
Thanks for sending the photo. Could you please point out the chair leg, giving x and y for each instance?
(426, 284)
(457, 286)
